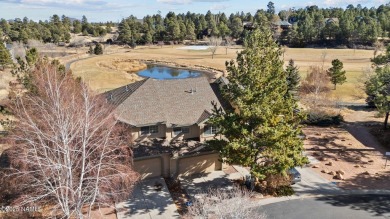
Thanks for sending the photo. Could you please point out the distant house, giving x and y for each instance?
(331, 20)
(283, 24)
(248, 25)
(168, 109)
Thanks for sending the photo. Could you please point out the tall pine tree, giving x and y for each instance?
(262, 130)
(378, 91)
(5, 57)
(336, 73)
(293, 77)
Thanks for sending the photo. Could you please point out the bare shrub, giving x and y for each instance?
(68, 150)
(315, 96)
(219, 203)
(315, 86)
(379, 47)
(18, 50)
(35, 44)
(365, 75)
(323, 57)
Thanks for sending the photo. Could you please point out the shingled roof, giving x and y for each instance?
(180, 102)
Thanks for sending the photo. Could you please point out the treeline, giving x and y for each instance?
(54, 30)
(298, 28)
(294, 27)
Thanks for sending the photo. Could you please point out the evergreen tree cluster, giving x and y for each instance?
(5, 56)
(355, 25)
(57, 29)
(310, 25)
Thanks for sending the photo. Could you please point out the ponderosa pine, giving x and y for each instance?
(262, 129)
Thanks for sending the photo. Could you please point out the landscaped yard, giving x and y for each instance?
(362, 166)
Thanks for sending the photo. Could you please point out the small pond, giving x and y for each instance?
(166, 73)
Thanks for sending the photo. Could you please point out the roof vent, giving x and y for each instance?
(193, 90)
(111, 97)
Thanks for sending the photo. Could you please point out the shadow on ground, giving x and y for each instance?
(334, 144)
(379, 205)
(368, 181)
(150, 198)
(201, 183)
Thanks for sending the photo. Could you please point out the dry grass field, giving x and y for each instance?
(355, 62)
(105, 78)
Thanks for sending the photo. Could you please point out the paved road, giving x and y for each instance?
(332, 207)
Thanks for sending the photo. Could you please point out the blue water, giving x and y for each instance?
(167, 73)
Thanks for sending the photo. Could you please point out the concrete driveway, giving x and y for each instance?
(147, 202)
(312, 183)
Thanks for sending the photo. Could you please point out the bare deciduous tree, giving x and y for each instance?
(69, 152)
(218, 203)
(379, 46)
(315, 85)
(214, 43)
(323, 57)
(228, 43)
(360, 86)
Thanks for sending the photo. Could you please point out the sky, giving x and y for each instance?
(115, 10)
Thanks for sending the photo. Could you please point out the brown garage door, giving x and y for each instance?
(199, 164)
(148, 167)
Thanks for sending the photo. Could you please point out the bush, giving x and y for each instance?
(284, 191)
(322, 119)
(277, 185)
(133, 45)
(98, 49)
(223, 203)
(380, 60)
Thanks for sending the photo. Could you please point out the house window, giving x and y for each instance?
(180, 130)
(185, 130)
(210, 130)
(177, 131)
(145, 130)
(149, 130)
(153, 129)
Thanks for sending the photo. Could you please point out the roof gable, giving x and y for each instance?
(120, 94)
